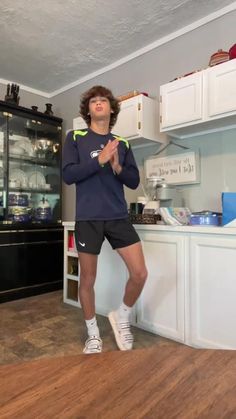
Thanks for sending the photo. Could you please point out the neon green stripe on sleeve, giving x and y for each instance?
(78, 132)
(122, 139)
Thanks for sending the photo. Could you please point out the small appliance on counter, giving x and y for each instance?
(160, 194)
(137, 215)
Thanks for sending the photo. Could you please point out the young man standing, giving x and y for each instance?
(100, 164)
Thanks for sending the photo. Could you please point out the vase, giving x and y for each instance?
(48, 109)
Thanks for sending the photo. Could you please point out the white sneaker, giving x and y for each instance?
(121, 329)
(93, 345)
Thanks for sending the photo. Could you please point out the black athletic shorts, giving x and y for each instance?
(89, 235)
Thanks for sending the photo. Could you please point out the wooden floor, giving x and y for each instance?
(157, 382)
(43, 327)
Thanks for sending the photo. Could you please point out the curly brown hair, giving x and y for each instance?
(103, 92)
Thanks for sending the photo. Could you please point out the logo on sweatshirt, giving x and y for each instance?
(95, 153)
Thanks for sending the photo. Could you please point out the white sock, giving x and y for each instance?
(124, 311)
(92, 327)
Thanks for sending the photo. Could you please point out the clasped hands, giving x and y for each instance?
(110, 154)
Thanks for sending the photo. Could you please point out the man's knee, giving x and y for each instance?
(87, 281)
(140, 276)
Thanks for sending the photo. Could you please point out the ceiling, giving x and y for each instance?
(49, 44)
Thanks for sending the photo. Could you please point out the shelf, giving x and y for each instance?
(31, 190)
(72, 254)
(32, 160)
(72, 277)
(13, 107)
(74, 303)
(73, 266)
(72, 290)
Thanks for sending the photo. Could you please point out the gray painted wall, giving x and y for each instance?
(27, 99)
(146, 73)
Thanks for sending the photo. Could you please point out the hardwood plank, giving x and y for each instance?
(158, 382)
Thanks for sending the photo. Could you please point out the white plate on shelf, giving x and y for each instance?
(1, 141)
(17, 151)
(15, 137)
(23, 143)
(19, 176)
(36, 180)
(27, 146)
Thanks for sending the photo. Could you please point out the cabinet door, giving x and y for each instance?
(181, 102)
(127, 122)
(211, 297)
(111, 280)
(3, 165)
(28, 263)
(79, 123)
(33, 189)
(160, 308)
(221, 81)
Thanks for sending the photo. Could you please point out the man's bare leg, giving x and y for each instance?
(88, 271)
(134, 260)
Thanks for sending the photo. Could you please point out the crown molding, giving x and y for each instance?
(27, 88)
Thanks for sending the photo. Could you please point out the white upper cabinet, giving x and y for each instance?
(79, 123)
(200, 103)
(221, 81)
(137, 121)
(181, 101)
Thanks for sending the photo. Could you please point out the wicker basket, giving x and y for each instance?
(144, 218)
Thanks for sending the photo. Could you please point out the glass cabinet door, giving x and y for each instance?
(34, 183)
(3, 165)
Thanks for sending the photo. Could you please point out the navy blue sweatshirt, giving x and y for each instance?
(99, 192)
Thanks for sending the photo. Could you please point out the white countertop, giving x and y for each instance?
(176, 229)
(188, 229)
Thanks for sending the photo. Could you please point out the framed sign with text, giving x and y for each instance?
(176, 169)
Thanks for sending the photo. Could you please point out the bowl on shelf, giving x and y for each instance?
(18, 199)
(45, 148)
(43, 144)
(43, 211)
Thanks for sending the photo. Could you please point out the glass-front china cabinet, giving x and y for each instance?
(31, 235)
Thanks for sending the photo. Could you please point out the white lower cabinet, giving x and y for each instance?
(190, 291)
(160, 308)
(111, 280)
(211, 306)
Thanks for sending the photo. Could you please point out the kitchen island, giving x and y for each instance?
(190, 291)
